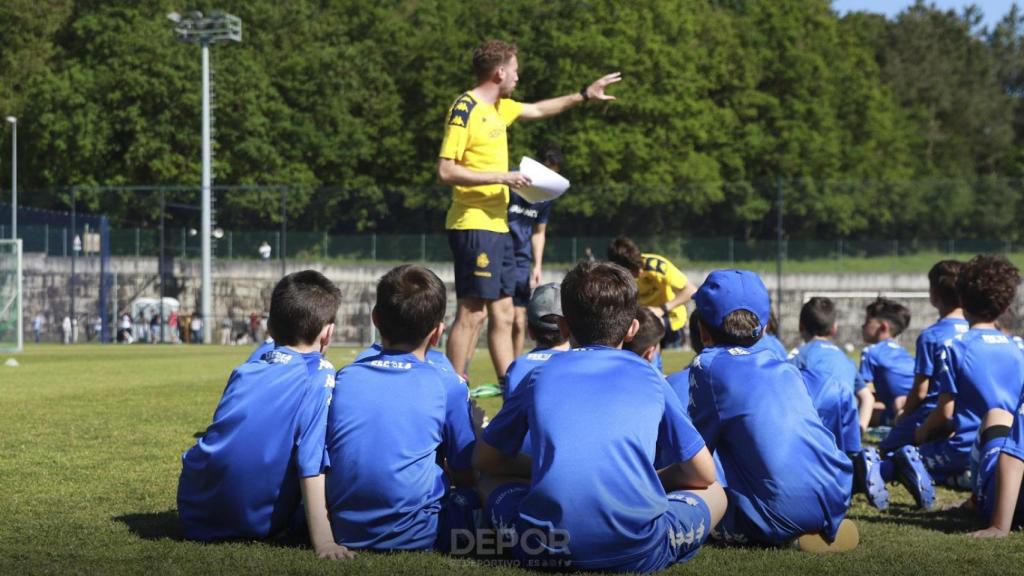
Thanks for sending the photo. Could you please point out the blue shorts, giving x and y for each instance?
(687, 525)
(485, 264)
(743, 528)
(945, 462)
(521, 293)
(457, 520)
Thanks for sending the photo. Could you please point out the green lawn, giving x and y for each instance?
(90, 440)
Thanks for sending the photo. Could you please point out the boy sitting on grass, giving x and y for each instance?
(829, 375)
(595, 500)
(264, 451)
(784, 475)
(923, 395)
(399, 431)
(646, 343)
(980, 371)
(885, 366)
(542, 314)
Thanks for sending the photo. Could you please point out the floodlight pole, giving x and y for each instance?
(205, 30)
(14, 176)
(205, 226)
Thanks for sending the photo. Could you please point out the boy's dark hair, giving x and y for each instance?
(739, 328)
(818, 316)
(651, 331)
(598, 302)
(550, 154)
(547, 338)
(489, 55)
(301, 305)
(695, 342)
(942, 280)
(772, 326)
(410, 304)
(987, 286)
(893, 312)
(625, 253)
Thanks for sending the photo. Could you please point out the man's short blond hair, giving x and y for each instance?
(491, 54)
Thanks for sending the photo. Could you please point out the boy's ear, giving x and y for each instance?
(634, 327)
(834, 330)
(435, 336)
(326, 335)
(373, 317)
(563, 328)
(650, 353)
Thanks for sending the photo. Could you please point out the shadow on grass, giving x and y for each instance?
(166, 526)
(153, 525)
(955, 521)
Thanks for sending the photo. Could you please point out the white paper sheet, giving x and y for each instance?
(546, 184)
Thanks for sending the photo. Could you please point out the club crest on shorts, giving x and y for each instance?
(482, 261)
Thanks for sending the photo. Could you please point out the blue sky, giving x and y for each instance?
(993, 10)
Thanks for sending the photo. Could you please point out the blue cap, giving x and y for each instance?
(726, 291)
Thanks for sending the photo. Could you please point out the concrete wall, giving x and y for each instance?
(243, 287)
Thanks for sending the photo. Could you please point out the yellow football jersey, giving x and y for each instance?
(658, 282)
(476, 137)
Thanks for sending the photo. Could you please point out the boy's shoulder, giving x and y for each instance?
(736, 362)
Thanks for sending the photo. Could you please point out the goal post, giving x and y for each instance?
(11, 327)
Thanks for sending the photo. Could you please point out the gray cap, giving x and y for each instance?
(546, 300)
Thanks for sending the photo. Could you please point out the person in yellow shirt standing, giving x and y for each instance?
(660, 285)
(474, 160)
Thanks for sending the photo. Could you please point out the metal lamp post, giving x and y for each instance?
(206, 30)
(14, 176)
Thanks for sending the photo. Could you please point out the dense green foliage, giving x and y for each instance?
(902, 128)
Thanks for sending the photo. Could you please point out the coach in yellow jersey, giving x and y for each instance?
(660, 285)
(474, 160)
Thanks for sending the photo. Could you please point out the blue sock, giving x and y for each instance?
(887, 468)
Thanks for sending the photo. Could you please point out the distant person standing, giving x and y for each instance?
(37, 326)
(196, 328)
(125, 329)
(172, 326)
(254, 327)
(474, 160)
(154, 328)
(264, 250)
(65, 330)
(528, 224)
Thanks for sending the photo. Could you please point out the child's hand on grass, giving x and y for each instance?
(990, 532)
(334, 551)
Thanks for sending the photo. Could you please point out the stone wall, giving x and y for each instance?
(243, 287)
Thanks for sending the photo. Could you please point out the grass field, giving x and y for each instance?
(90, 441)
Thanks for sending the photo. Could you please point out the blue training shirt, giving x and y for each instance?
(930, 344)
(593, 469)
(784, 472)
(773, 343)
(521, 367)
(830, 378)
(1014, 445)
(983, 369)
(522, 216)
(890, 368)
(241, 479)
(391, 417)
(264, 347)
(433, 356)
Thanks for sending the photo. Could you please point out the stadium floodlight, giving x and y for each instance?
(206, 30)
(14, 176)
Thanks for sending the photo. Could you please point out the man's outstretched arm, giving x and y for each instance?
(452, 173)
(554, 106)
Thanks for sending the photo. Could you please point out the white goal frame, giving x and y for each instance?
(19, 297)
